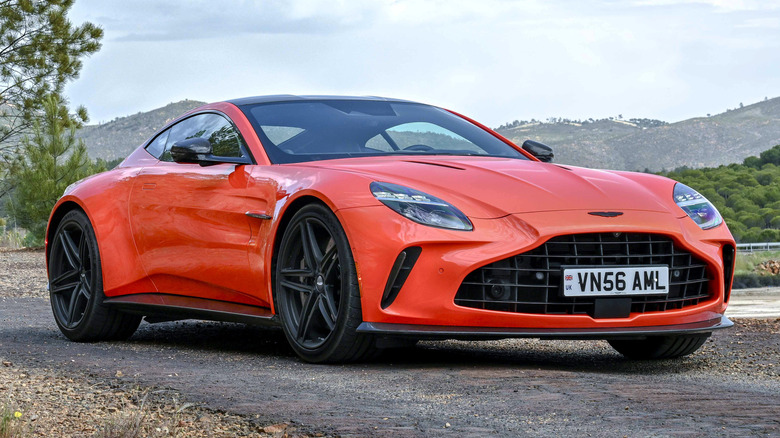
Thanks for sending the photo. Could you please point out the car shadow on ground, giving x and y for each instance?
(591, 356)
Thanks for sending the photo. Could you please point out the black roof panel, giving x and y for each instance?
(289, 97)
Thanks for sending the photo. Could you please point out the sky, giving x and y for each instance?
(492, 60)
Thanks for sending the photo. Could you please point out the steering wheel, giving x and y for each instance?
(418, 147)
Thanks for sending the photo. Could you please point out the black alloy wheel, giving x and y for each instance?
(316, 290)
(73, 277)
(76, 285)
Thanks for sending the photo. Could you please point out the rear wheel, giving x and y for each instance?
(316, 292)
(659, 347)
(76, 285)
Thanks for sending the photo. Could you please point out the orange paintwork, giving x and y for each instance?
(181, 228)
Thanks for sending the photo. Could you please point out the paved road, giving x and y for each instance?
(506, 388)
(761, 302)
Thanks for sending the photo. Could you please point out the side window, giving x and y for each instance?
(225, 140)
(280, 134)
(427, 136)
(379, 143)
(157, 146)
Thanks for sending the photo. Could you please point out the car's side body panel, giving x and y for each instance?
(191, 229)
(104, 199)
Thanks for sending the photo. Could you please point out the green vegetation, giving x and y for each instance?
(40, 51)
(48, 162)
(746, 274)
(747, 194)
(10, 423)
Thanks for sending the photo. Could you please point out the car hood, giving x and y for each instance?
(486, 187)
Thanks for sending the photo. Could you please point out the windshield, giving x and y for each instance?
(312, 130)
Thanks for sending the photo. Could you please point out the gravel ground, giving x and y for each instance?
(52, 404)
(246, 378)
(23, 273)
(59, 402)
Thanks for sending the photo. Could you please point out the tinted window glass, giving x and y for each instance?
(157, 146)
(225, 140)
(428, 135)
(379, 143)
(278, 134)
(312, 130)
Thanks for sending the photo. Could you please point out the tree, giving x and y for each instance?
(50, 160)
(40, 51)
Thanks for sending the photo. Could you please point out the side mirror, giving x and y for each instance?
(539, 150)
(191, 150)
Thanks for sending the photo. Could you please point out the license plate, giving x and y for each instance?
(615, 280)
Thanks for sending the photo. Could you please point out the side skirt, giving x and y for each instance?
(165, 307)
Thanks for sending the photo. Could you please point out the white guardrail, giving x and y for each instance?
(763, 246)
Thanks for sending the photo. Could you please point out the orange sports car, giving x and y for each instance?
(358, 224)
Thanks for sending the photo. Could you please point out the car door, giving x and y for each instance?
(189, 221)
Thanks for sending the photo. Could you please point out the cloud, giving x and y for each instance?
(149, 20)
(719, 5)
(495, 59)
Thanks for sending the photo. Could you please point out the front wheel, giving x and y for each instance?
(659, 347)
(76, 285)
(316, 292)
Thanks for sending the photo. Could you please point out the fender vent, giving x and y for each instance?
(728, 270)
(401, 269)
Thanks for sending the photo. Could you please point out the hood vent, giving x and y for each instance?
(449, 166)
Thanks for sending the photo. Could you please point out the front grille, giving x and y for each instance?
(531, 282)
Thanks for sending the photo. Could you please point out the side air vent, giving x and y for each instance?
(401, 269)
(728, 270)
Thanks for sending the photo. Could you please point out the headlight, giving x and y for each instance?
(420, 207)
(697, 207)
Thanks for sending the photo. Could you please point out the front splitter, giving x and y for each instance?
(453, 332)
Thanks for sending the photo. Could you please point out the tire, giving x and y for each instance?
(76, 285)
(316, 291)
(659, 347)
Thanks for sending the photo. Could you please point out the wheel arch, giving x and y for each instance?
(286, 215)
(59, 212)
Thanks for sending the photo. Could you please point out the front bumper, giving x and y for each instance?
(377, 235)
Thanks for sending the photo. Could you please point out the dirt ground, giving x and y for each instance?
(195, 378)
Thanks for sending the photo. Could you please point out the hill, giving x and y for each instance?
(639, 144)
(117, 138)
(633, 144)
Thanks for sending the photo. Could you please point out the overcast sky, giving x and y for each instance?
(494, 60)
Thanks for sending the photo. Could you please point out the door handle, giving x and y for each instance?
(258, 215)
(148, 186)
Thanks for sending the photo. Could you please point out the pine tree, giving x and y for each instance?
(40, 51)
(49, 160)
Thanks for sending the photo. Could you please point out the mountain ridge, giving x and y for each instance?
(118, 138)
(724, 138)
(614, 143)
